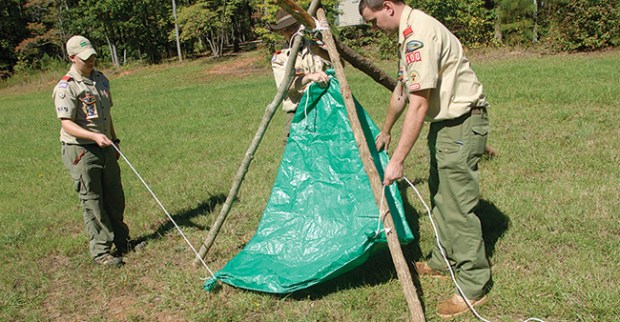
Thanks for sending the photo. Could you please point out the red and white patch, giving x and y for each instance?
(413, 57)
(408, 31)
(414, 87)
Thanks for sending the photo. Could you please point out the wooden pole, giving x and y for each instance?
(402, 269)
(348, 54)
(249, 154)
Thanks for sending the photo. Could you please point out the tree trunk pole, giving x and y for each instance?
(249, 154)
(402, 270)
(357, 61)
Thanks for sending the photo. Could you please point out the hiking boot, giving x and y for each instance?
(131, 246)
(108, 260)
(456, 306)
(423, 269)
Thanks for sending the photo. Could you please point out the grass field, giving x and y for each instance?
(550, 200)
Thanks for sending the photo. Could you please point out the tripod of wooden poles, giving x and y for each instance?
(335, 49)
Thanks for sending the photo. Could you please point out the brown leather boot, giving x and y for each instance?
(456, 306)
(108, 260)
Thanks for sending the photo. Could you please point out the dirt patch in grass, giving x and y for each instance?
(237, 66)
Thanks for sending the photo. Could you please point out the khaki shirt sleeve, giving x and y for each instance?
(419, 61)
(106, 88)
(65, 100)
(278, 65)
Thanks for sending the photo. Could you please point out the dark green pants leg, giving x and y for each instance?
(456, 147)
(114, 198)
(96, 178)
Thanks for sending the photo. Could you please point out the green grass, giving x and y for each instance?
(550, 199)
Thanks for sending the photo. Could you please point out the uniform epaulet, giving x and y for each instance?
(278, 52)
(66, 78)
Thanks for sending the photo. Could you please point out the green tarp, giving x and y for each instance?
(321, 219)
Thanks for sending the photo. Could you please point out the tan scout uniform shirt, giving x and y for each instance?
(86, 102)
(307, 63)
(432, 57)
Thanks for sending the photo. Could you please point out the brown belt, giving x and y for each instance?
(476, 110)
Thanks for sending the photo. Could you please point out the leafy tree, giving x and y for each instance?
(518, 21)
(583, 24)
(467, 19)
(45, 25)
(205, 20)
(12, 31)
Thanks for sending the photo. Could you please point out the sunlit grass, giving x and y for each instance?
(550, 199)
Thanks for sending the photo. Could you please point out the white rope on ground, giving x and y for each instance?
(163, 208)
(445, 257)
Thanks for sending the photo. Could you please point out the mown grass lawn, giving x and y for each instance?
(550, 199)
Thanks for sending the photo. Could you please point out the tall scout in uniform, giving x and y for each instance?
(441, 88)
(310, 65)
(83, 101)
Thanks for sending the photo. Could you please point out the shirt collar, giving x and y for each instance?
(73, 72)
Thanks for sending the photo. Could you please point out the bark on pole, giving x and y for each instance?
(402, 269)
(249, 155)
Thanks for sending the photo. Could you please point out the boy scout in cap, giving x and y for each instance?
(310, 65)
(441, 88)
(82, 100)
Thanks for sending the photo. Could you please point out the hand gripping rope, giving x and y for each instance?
(162, 207)
(443, 253)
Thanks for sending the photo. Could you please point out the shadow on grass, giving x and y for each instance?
(379, 268)
(494, 224)
(184, 218)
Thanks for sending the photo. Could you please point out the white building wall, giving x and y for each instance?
(349, 14)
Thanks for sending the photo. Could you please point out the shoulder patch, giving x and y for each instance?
(408, 31)
(66, 78)
(414, 45)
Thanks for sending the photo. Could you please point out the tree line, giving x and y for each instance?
(33, 32)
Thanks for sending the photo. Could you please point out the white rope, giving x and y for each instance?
(380, 219)
(308, 97)
(443, 253)
(300, 32)
(320, 25)
(445, 257)
(162, 207)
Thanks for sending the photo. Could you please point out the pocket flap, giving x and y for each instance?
(480, 130)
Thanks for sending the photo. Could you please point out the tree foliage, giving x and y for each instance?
(517, 21)
(218, 23)
(34, 31)
(583, 24)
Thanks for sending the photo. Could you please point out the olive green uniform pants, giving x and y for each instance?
(455, 148)
(97, 179)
